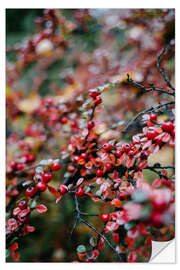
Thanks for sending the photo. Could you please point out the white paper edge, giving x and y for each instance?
(163, 252)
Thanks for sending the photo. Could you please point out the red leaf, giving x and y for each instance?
(16, 211)
(156, 183)
(143, 164)
(41, 208)
(30, 228)
(129, 162)
(53, 191)
(14, 246)
(166, 137)
(116, 203)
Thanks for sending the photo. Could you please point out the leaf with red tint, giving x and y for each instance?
(41, 208)
(14, 246)
(156, 183)
(83, 172)
(15, 255)
(154, 149)
(166, 137)
(58, 199)
(129, 162)
(30, 228)
(116, 203)
(147, 144)
(143, 164)
(16, 211)
(53, 191)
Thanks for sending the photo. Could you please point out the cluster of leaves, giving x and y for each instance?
(93, 145)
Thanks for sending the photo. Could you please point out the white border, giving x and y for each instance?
(75, 4)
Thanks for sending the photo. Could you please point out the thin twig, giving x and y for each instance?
(151, 89)
(81, 220)
(151, 109)
(161, 70)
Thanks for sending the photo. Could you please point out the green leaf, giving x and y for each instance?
(32, 203)
(13, 240)
(129, 225)
(93, 241)
(81, 249)
(7, 253)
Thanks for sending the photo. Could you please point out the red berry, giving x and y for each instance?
(41, 186)
(84, 156)
(90, 124)
(55, 166)
(173, 132)
(73, 124)
(93, 94)
(105, 217)
(70, 168)
(30, 157)
(99, 172)
(108, 166)
(76, 159)
(22, 219)
(131, 153)
(30, 191)
(118, 153)
(22, 204)
(116, 237)
(168, 126)
(159, 142)
(126, 147)
(153, 117)
(107, 147)
(98, 100)
(13, 165)
(64, 120)
(62, 189)
(151, 134)
(80, 192)
(156, 219)
(47, 176)
(20, 166)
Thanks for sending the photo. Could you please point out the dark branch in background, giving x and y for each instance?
(161, 70)
(151, 109)
(81, 220)
(151, 89)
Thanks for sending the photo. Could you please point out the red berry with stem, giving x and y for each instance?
(62, 189)
(168, 126)
(22, 204)
(64, 120)
(80, 192)
(90, 124)
(153, 117)
(107, 147)
(55, 166)
(30, 191)
(47, 176)
(99, 172)
(41, 186)
(105, 217)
